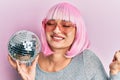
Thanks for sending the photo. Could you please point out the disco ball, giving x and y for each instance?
(24, 46)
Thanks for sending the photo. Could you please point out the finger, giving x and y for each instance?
(35, 61)
(19, 67)
(117, 55)
(12, 62)
(114, 58)
(114, 67)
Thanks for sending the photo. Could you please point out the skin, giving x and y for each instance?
(60, 42)
(115, 64)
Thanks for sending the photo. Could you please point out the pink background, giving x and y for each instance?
(102, 18)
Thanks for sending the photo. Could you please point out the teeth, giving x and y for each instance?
(59, 38)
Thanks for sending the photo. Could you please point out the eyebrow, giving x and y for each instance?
(61, 20)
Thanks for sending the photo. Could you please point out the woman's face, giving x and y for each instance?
(60, 34)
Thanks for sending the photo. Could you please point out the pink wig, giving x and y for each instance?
(66, 11)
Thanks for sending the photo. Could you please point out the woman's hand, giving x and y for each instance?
(26, 72)
(115, 65)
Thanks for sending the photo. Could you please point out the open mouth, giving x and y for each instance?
(57, 37)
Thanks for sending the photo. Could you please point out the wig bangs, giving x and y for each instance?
(63, 12)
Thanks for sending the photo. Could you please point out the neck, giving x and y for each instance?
(58, 62)
(55, 62)
(57, 58)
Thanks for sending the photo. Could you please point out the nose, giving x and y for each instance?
(57, 29)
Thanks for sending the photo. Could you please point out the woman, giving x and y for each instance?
(64, 54)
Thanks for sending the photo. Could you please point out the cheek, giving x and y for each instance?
(72, 33)
(66, 31)
(47, 34)
(71, 36)
(47, 30)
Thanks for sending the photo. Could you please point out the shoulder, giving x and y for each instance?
(88, 53)
(90, 60)
(89, 57)
(92, 65)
